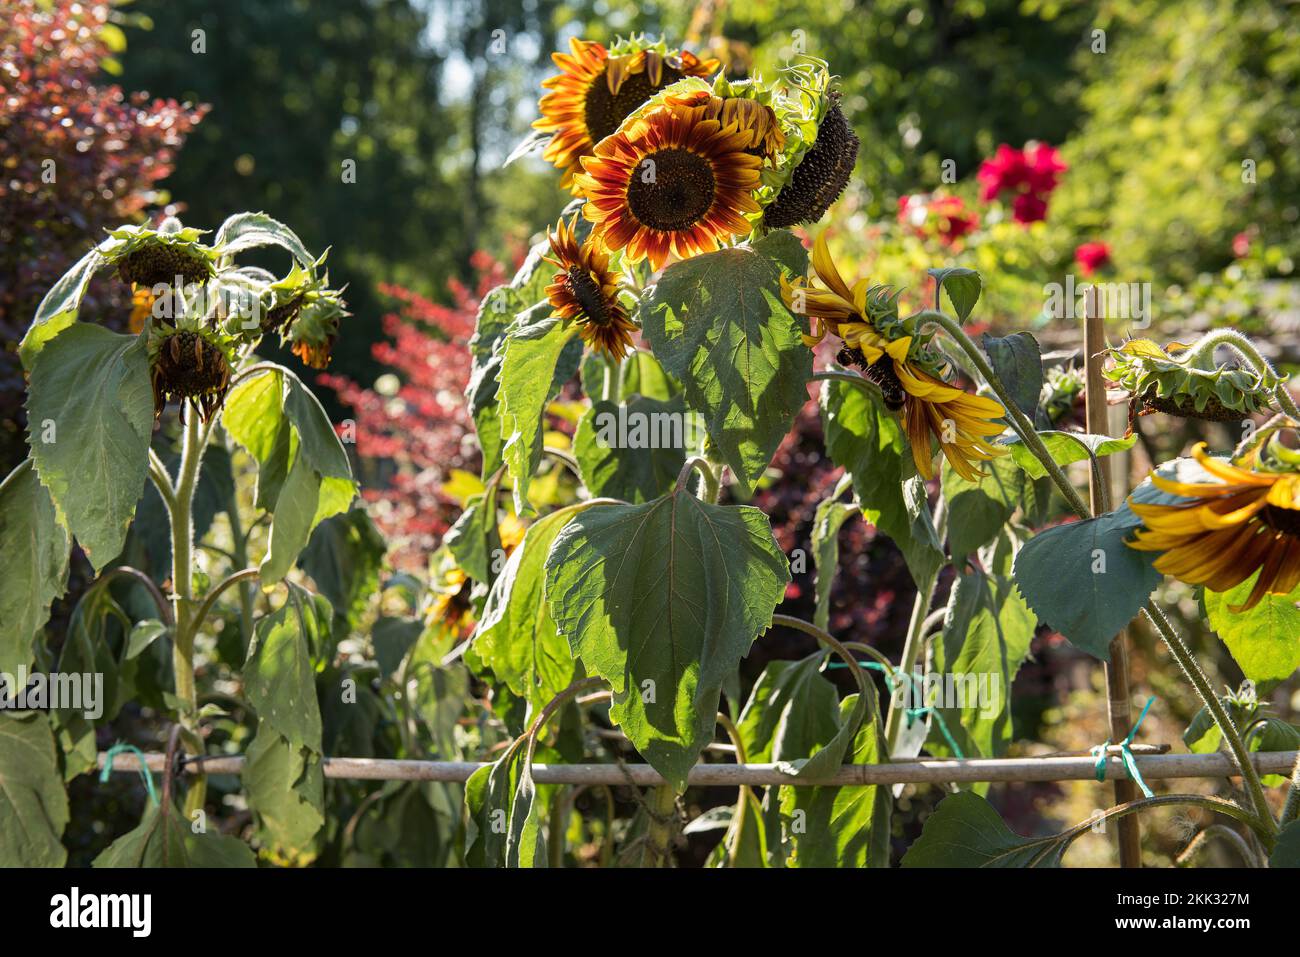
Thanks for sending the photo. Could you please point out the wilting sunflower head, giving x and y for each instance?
(819, 156)
(149, 257)
(585, 291)
(315, 324)
(672, 182)
(902, 363)
(188, 366)
(1178, 382)
(283, 300)
(596, 89)
(1228, 521)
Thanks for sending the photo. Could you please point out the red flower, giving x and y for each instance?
(944, 217)
(1030, 175)
(1241, 243)
(1029, 208)
(1044, 168)
(1006, 172)
(1092, 257)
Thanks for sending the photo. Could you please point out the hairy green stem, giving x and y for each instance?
(742, 803)
(1240, 755)
(709, 490)
(863, 383)
(182, 527)
(659, 835)
(1291, 809)
(1204, 348)
(1202, 841)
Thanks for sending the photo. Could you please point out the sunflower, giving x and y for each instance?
(142, 300)
(595, 91)
(865, 318)
(821, 175)
(757, 120)
(190, 367)
(673, 182)
(586, 291)
(1243, 521)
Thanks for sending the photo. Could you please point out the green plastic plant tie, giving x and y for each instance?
(912, 714)
(117, 749)
(1126, 753)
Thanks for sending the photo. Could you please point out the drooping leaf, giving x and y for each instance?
(245, 231)
(869, 444)
(505, 811)
(1018, 362)
(344, 556)
(965, 831)
(1083, 580)
(474, 540)
(33, 564)
(59, 307)
(663, 600)
(285, 785)
(516, 636)
(169, 841)
(792, 711)
(962, 285)
(90, 416)
(632, 450)
(279, 676)
(718, 324)
(33, 803)
(1263, 640)
(829, 519)
(978, 510)
(1065, 448)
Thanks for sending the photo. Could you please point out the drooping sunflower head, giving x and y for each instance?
(191, 367)
(597, 89)
(1182, 381)
(908, 370)
(673, 182)
(310, 318)
(819, 157)
(1227, 522)
(148, 257)
(585, 291)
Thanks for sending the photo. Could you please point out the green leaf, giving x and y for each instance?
(965, 831)
(343, 557)
(869, 444)
(1286, 853)
(474, 540)
(33, 804)
(506, 814)
(842, 826)
(718, 324)
(279, 676)
(1065, 448)
(829, 519)
(746, 830)
(285, 784)
(90, 417)
(59, 308)
(1018, 362)
(143, 634)
(978, 510)
(792, 712)
(962, 285)
(516, 636)
(986, 636)
(530, 355)
(663, 600)
(632, 450)
(245, 231)
(391, 639)
(644, 375)
(1262, 640)
(170, 841)
(33, 564)
(1084, 581)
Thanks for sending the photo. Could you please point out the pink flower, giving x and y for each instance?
(1029, 175)
(1092, 257)
(1241, 243)
(1029, 208)
(1006, 172)
(1045, 167)
(944, 217)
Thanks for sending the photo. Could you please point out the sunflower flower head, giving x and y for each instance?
(1227, 521)
(451, 606)
(596, 89)
(904, 365)
(189, 366)
(1181, 381)
(307, 313)
(169, 255)
(673, 182)
(585, 291)
(745, 104)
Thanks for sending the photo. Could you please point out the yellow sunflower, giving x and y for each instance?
(585, 291)
(595, 91)
(673, 182)
(1245, 521)
(962, 423)
(142, 300)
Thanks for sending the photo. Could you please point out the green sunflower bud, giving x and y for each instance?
(1183, 385)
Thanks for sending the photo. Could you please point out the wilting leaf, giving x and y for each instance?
(830, 518)
(169, 841)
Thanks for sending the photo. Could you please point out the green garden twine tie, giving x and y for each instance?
(117, 749)
(1125, 753)
(912, 714)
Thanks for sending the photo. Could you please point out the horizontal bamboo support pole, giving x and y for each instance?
(1154, 767)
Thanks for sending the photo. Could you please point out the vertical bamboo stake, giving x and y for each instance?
(1117, 690)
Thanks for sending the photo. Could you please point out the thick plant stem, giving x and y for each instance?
(183, 597)
(1291, 809)
(1243, 347)
(1237, 748)
(659, 836)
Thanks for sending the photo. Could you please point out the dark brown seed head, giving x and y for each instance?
(1184, 406)
(189, 368)
(820, 177)
(157, 264)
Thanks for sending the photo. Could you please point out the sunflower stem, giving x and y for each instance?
(1291, 809)
(709, 490)
(1020, 423)
(182, 528)
(1248, 353)
(1236, 746)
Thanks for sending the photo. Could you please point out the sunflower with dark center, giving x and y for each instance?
(672, 182)
(189, 368)
(596, 90)
(759, 121)
(962, 423)
(585, 291)
(160, 263)
(821, 176)
(1243, 519)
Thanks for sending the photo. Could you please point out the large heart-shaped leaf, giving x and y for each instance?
(718, 324)
(33, 804)
(33, 564)
(965, 831)
(663, 600)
